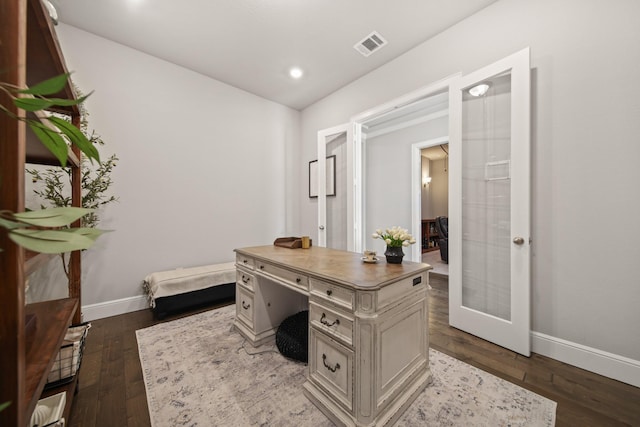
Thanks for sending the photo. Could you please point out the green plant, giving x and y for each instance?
(53, 137)
(95, 183)
(32, 230)
(41, 231)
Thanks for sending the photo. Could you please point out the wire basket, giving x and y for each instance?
(67, 362)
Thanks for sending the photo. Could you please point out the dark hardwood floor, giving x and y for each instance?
(111, 390)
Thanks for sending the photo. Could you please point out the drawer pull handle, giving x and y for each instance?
(329, 292)
(262, 267)
(244, 261)
(298, 280)
(324, 322)
(324, 362)
(245, 279)
(245, 305)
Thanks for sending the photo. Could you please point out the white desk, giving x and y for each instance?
(368, 325)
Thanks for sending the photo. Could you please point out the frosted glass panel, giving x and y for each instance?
(486, 199)
(336, 220)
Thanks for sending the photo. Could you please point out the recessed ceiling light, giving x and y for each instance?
(296, 72)
(479, 90)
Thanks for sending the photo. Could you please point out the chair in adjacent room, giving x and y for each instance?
(442, 227)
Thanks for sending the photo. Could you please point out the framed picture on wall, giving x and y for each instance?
(331, 177)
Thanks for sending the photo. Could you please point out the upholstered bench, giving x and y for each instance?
(177, 290)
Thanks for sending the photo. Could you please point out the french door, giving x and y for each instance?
(489, 218)
(334, 194)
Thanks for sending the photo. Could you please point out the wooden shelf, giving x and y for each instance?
(53, 318)
(31, 335)
(45, 60)
(44, 55)
(428, 235)
(36, 261)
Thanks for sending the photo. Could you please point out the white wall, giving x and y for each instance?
(439, 188)
(435, 196)
(201, 171)
(586, 104)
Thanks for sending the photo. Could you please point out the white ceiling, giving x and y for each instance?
(251, 44)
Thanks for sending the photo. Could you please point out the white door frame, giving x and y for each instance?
(416, 193)
(324, 138)
(358, 152)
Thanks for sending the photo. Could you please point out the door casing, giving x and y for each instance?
(324, 138)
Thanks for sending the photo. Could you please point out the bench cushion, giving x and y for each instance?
(183, 280)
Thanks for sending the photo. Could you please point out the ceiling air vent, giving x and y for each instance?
(370, 44)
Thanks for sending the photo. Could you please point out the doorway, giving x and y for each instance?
(386, 191)
(434, 206)
(331, 188)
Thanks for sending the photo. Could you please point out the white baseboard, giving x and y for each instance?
(113, 308)
(601, 362)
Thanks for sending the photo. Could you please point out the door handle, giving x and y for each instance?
(321, 227)
(518, 240)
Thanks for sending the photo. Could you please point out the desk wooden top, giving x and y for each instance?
(336, 265)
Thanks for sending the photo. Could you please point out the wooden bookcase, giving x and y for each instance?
(30, 335)
(429, 238)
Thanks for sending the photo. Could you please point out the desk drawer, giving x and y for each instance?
(329, 292)
(331, 367)
(245, 261)
(244, 306)
(331, 322)
(245, 279)
(397, 290)
(292, 278)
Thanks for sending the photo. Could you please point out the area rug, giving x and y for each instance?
(198, 371)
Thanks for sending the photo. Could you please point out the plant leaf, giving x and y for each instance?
(67, 102)
(49, 86)
(10, 225)
(52, 217)
(76, 137)
(4, 406)
(52, 140)
(92, 233)
(51, 241)
(32, 104)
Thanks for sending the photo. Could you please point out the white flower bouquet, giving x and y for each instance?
(395, 236)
